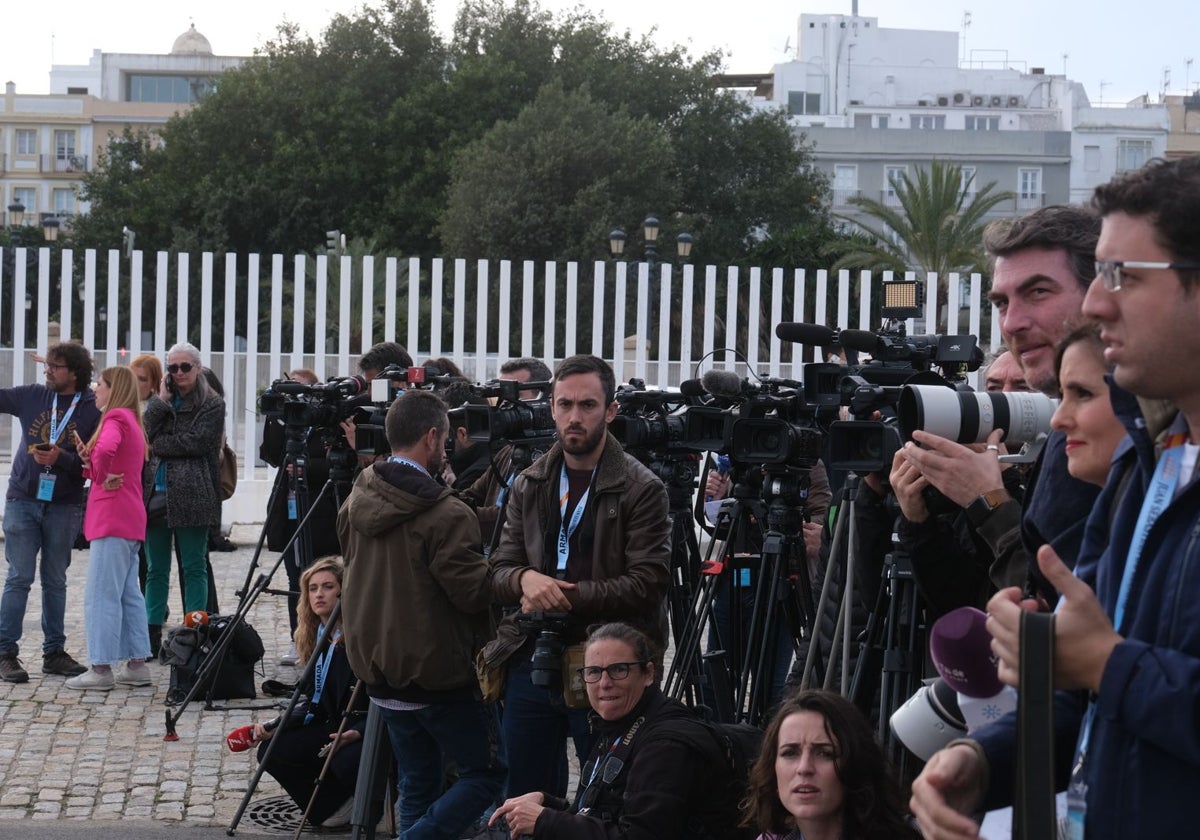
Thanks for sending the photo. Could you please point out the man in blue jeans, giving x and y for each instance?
(415, 608)
(44, 504)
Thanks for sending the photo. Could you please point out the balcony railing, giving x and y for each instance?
(64, 163)
(1030, 201)
(841, 198)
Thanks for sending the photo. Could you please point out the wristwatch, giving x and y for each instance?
(981, 508)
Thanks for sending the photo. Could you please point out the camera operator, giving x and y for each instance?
(280, 524)
(468, 459)
(416, 609)
(377, 357)
(1041, 266)
(951, 563)
(486, 494)
(587, 534)
(1126, 634)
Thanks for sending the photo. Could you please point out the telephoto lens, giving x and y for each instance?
(970, 416)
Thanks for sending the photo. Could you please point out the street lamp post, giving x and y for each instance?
(650, 230)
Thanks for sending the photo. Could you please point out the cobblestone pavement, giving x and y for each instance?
(94, 756)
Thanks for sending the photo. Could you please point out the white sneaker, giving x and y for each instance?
(290, 658)
(133, 676)
(91, 679)
(341, 817)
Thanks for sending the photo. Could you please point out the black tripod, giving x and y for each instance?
(739, 670)
(341, 463)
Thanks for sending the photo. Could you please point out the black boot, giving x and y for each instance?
(155, 639)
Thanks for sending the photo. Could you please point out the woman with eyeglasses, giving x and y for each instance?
(657, 771)
(184, 423)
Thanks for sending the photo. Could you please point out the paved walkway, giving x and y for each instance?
(79, 757)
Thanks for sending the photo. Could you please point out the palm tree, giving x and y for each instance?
(934, 228)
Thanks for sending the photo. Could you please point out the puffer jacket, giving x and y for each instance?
(188, 440)
(631, 547)
(1143, 763)
(415, 596)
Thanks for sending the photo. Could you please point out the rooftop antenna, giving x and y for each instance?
(1166, 83)
(1187, 76)
(966, 23)
(1065, 57)
(1103, 85)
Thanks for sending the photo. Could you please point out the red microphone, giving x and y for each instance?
(196, 618)
(240, 739)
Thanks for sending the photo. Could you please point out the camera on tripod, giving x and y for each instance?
(549, 632)
(324, 405)
(511, 419)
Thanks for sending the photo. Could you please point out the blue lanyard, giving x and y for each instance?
(398, 459)
(57, 430)
(323, 663)
(566, 530)
(1159, 495)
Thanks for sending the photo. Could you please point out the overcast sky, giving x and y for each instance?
(1124, 46)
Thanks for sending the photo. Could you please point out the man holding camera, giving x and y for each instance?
(44, 504)
(1127, 630)
(415, 607)
(1042, 264)
(586, 537)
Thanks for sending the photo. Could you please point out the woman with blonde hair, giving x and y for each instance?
(297, 759)
(115, 523)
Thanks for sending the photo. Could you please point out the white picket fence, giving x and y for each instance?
(477, 311)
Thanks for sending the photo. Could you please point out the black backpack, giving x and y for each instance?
(733, 746)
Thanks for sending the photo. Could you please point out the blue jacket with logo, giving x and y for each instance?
(1143, 762)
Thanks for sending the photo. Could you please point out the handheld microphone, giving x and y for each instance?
(960, 647)
(196, 618)
(240, 739)
(798, 332)
(929, 720)
(723, 383)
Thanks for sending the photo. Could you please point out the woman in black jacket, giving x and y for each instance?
(656, 772)
(297, 759)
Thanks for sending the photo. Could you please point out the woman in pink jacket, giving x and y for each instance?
(115, 523)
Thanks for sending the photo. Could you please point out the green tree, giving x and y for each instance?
(934, 228)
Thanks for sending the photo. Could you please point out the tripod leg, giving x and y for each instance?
(329, 758)
(375, 755)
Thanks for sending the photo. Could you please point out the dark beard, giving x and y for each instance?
(588, 445)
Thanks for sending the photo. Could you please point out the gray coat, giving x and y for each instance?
(188, 440)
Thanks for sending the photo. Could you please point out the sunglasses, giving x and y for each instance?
(182, 367)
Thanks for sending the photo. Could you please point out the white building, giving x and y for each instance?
(877, 102)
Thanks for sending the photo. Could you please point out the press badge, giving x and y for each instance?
(45, 491)
(1076, 809)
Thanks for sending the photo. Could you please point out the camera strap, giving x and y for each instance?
(565, 528)
(608, 766)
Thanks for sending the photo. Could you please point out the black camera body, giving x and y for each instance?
(549, 632)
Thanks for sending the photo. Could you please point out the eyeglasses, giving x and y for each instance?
(53, 368)
(615, 671)
(1109, 271)
(182, 367)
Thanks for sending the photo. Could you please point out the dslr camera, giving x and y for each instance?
(549, 632)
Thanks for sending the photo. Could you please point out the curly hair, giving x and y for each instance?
(306, 620)
(77, 359)
(871, 808)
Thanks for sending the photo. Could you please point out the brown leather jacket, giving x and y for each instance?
(631, 547)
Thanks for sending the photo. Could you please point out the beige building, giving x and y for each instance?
(47, 141)
(1183, 139)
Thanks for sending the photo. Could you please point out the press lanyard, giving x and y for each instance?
(397, 459)
(1160, 494)
(58, 427)
(323, 662)
(566, 530)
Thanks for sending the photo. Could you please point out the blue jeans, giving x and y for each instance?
(31, 527)
(536, 725)
(114, 611)
(465, 733)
